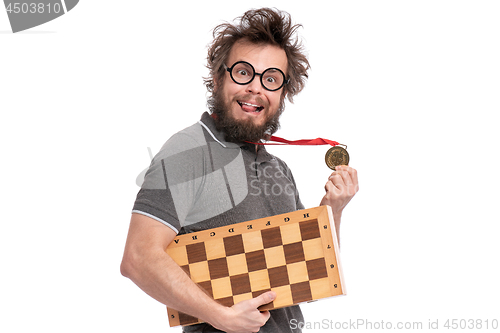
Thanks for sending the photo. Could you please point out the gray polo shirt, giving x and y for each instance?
(199, 181)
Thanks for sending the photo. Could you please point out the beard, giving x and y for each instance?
(237, 130)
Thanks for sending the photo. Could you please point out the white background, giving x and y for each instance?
(412, 87)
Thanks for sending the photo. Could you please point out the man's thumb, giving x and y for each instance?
(265, 298)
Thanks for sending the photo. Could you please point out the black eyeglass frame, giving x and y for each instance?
(230, 70)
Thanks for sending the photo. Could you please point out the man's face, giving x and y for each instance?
(251, 107)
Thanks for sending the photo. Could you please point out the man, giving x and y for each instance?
(211, 174)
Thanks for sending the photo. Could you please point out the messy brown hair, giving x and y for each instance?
(259, 26)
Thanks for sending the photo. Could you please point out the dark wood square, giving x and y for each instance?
(256, 260)
(316, 269)
(186, 319)
(207, 286)
(226, 301)
(278, 276)
(294, 252)
(185, 268)
(309, 229)
(240, 284)
(233, 245)
(271, 237)
(218, 268)
(196, 252)
(301, 292)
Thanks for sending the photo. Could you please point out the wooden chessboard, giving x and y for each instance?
(293, 254)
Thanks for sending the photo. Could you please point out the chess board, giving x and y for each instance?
(293, 254)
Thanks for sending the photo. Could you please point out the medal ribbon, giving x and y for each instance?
(308, 142)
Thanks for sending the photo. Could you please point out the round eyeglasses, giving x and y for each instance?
(242, 72)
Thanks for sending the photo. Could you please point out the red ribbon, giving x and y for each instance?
(313, 142)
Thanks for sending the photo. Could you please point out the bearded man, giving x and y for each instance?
(213, 174)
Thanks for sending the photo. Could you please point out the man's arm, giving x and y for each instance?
(340, 188)
(147, 264)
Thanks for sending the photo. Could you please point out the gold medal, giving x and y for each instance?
(336, 156)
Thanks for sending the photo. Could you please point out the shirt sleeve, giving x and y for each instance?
(172, 182)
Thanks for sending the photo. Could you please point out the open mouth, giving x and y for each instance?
(249, 107)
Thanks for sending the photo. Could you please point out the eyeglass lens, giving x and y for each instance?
(271, 79)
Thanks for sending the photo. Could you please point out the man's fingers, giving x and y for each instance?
(266, 315)
(340, 188)
(349, 172)
(335, 179)
(248, 315)
(349, 176)
(354, 176)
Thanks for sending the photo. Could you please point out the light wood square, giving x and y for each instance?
(290, 233)
(222, 287)
(313, 249)
(283, 296)
(259, 280)
(320, 288)
(179, 254)
(199, 271)
(252, 241)
(275, 256)
(237, 264)
(215, 249)
(242, 297)
(297, 272)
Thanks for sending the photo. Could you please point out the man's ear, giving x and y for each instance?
(216, 84)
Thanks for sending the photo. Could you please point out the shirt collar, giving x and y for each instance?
(208, 122)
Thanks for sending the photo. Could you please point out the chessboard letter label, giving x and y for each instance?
(332, 260)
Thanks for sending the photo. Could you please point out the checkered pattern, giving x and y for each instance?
(287, 259)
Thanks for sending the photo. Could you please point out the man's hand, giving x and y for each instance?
(244, 317)
(342, 185)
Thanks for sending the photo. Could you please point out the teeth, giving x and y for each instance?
(256, 106)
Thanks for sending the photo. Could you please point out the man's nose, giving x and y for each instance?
(255, 86)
